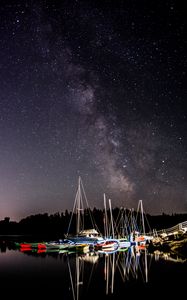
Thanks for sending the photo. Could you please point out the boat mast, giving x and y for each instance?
(142, 216)
(105, 219)
(78, 205)
(111, 218)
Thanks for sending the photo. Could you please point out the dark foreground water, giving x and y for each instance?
(132, 273)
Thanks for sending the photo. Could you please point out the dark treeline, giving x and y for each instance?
(53, 225)
(57, 225)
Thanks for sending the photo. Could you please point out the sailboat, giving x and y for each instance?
(82, 235)
(139, 237)
(109, 243)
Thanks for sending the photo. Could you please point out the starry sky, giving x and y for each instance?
(95, 89)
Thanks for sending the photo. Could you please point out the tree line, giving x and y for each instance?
(57, 225)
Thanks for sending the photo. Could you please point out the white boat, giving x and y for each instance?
(61, 245)
(107, 244)
(124, 243)
(82, 235)
(139, 236)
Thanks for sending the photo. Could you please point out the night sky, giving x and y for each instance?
(95, 89)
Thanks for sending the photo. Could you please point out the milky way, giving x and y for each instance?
(95, 89)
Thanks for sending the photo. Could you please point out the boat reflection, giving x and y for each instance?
(81, 269)
(85, 273)
(131, 263)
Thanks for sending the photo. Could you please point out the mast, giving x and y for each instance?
(78, 205)
(142, 215)
(77, 208)
(105, 219)
(111, 217)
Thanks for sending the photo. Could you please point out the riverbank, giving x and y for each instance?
(175, 247)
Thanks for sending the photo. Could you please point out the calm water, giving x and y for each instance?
(91, 275)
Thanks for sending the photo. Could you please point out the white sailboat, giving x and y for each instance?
(109, 243)
(82, 235)
(141, 238)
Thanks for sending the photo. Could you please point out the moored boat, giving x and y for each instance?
(107, 244)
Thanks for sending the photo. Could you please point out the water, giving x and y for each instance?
(133, 273)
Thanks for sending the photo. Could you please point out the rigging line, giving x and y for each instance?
(91, 273)
(71, 280)
(74, 206)
(87, 206)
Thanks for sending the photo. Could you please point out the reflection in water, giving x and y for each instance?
(80, 277)
(84, 269)
(86, 275)
(174, 257)
(130, 263)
